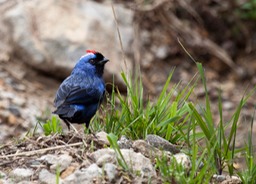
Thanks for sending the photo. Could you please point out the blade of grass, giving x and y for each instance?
(120, 159)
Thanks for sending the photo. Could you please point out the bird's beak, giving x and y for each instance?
(103, 61)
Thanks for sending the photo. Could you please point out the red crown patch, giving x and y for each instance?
(91, 51)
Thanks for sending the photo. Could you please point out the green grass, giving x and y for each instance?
(51, 126)
(136, 116)
(247, 10)
(178, 120)
(211, 145)
(221, 144)
(57, 174)
(249, 174)
(120, 159)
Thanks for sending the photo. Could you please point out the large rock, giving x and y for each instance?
(51, 35)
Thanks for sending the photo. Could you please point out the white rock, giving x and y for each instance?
(161, 143)
(106, 158)
(111, 171)
(102, 138)
(46, 177)
(88, 175)
(138, 162)
(104, 155)
(20, 174)
(134, 160)
(27, 182)
(219, 178)
(184, 160)
(61, 161)
(60, 37)
(124, 143)
(19, 101)
(162, 52)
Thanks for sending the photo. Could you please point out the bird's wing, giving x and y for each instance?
(71, 92)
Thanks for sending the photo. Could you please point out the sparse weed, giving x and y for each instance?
(52, 126)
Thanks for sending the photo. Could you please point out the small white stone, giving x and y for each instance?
(184, 160)
(61, 161)
(46, 177)
(87, 175)
(138, 162)
(20, 174)
(124, 143)
(102, 137)
(99, 153)
(105, 159)
(111, 171)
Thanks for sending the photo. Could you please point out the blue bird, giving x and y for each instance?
(80, 94)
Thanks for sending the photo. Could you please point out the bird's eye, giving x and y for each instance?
(92, 61)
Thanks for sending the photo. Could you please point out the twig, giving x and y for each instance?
(186, 51)
(119, 36)
(29, 153)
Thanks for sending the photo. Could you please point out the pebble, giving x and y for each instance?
(12, 120)
(105, 158)
(4, 103)
(88, 175)
(131, 158)
(134, 160)
(47, 177)
(219, 178)
(146, 149)
(105, 153)
(21, 174)
(19, 101)
(71, 169)
(223, 179)
(102, 138)
(14, 110)
(111, 172)
(161, 143)
(184, 160)
(60, 161)
(227, 105)
(124, 143)
(162, 52)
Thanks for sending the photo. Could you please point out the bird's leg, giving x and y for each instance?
(67, 123)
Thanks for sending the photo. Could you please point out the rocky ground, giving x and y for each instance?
(20, 104)
(76, 158)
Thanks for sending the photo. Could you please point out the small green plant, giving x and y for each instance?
(52, 126)
(120, 159)
(58, 174)
(248, 10)
(249, 175)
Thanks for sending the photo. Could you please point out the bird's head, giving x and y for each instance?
(93, 62)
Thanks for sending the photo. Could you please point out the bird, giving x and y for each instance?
(80, 94)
